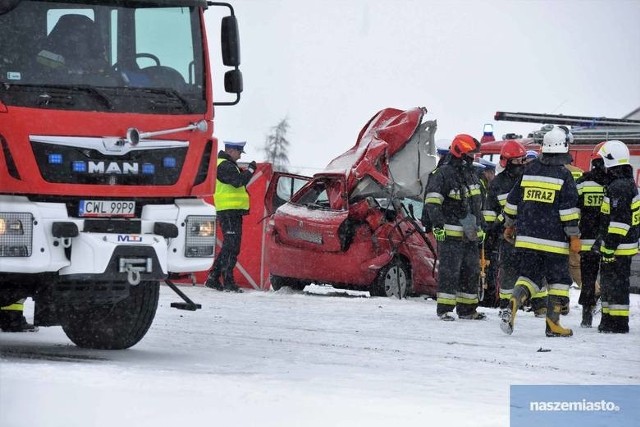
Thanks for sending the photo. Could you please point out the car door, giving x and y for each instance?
(282, 187)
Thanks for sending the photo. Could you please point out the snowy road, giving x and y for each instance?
(294, 359)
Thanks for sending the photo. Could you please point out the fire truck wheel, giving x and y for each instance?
(277, 282)
(114, 326)
(394, 280)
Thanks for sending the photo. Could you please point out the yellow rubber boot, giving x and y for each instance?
(553, 328)
(518, 298)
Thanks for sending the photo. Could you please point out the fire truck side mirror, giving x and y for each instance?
(233, 81)
(230, 38)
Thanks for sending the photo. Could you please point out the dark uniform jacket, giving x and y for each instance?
(453, 192)
(496, 199)
(590, 195)
(621, 212)
(544, 204)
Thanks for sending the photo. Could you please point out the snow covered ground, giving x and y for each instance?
(296, 359)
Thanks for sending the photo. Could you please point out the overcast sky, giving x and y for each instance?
(329, 65)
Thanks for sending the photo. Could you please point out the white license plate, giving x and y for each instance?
(98, 208)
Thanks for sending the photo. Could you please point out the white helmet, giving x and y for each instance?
(557, 140)
(614, 153)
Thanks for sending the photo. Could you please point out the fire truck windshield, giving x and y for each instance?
(101, 55)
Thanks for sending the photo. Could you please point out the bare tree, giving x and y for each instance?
(276, 146)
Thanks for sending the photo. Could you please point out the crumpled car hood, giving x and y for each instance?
(394, 154)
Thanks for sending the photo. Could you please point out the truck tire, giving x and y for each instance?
(114, 326)
(393, 280)
(278, 282)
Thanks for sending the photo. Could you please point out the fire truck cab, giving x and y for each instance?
(106, 157)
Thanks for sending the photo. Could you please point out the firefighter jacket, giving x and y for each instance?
(231, 194)
(621, 213)
(497, 198)
(544, 205)
(452, 193)
(590, 195)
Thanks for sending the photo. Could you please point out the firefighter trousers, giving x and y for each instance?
(539, 267)
(508, 271)
(589, 268)
(614, 293)
(458, 275)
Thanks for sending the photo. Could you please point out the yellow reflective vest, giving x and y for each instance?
(228, 197)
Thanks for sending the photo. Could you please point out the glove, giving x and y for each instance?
(607, 255)
(252, 166)
(509, 234)
(481, 235)
(439, 234)
(575, 245)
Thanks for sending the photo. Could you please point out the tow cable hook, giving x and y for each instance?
(133, 267)
(133, 275)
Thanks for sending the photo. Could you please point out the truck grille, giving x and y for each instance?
(64, 164)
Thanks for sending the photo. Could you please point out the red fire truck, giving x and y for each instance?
(107, 157)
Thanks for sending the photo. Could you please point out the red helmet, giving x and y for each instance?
(464, 144)
(511, 150)
(595, 153)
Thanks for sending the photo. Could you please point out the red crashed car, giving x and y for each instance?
(354, 225)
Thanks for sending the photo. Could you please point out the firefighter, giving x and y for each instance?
(542, 215)
(512, 159)
(232, 203)
(590, 195)
(453, 204)
(12, 318)
(486, 171)
(620, 221)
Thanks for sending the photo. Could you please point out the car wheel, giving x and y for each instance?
(278, 282)
(393, 280)
(113, 326)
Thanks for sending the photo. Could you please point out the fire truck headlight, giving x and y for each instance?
(200, 236)
(16, 234)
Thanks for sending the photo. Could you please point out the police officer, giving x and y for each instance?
(620, 223)
(232, 203)
(512, 159)
(591, 192)
(542, 214)
(453, 205)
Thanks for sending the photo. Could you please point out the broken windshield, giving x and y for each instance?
(106, 53)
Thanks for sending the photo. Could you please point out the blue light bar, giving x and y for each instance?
(148, 168)
(55, 159)
(79, 166)
(169, 162)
